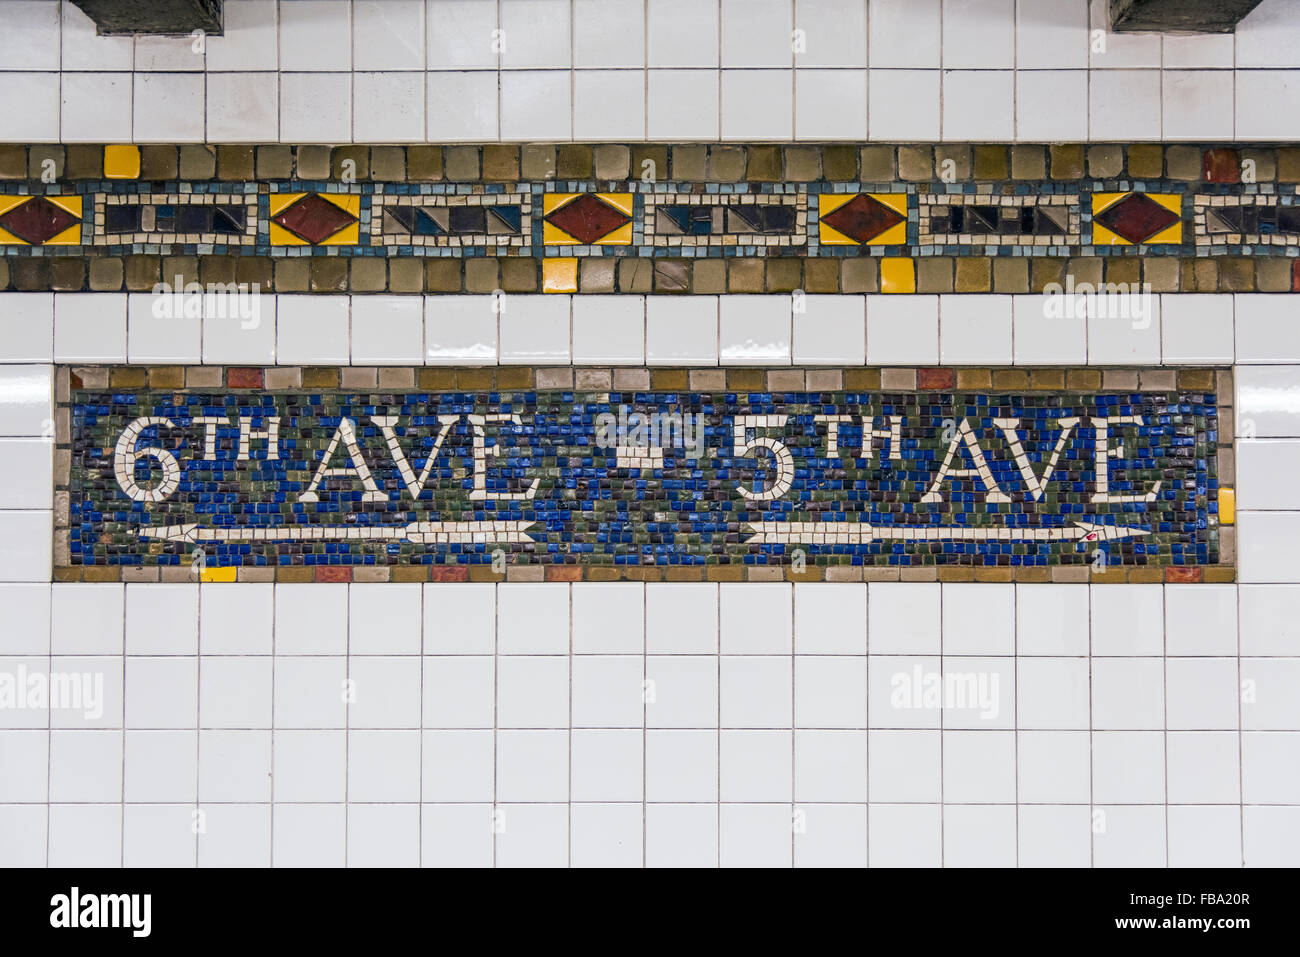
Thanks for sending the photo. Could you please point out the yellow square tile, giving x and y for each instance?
(560, 274)
(897, 274)
(217, 574)
(121, 162)
(1227, 506)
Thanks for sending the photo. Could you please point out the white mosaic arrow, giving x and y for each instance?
(423, 533)
(859, 533)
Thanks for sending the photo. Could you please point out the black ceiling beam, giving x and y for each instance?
(153, 16)
(1178, 16)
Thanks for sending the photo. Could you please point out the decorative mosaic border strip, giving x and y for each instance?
(1027, 474)
(649, 218)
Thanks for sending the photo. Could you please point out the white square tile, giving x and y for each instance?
(1265, 329)
(383, 835)
(156, 332)
(26, 756)
(26, 400)
(1051, 105)
(309, 692)
(1049, 329)
(1127, 620)
(457, 835)
(309, 835)
(1267, 626)
(1127, 693)
(1109, 50)
(754, 691)
(461, 33)
(316, 107)
(160, 766)
(903, 105)
(1204, 767)
(463, 107)
(27, 326)
(607, 766)
(236, 620)
(312, 330)
(1268, 401)
(681, 618)
(243, 108)
(458, 765)
(1051, 35)
(1054, 767)
(979, 619)
(830, 766)
(535, 105)
(1124, 104)
(249, 40)
(608, 618)
(25, 553)
(310, 765)
(388, 35)
(979, 835)
(85, 835)
(168, 108)
(31, 36)
(1268, 767)
(896, 691)
(536, 34)
(978, 105)
(150, 604)
(682, 33)
(387, 691)
(387, 330)
(532, 619)
(1196, 105)
(607, 692)
(904, 618)
(85, 765)
(1201, 620)
(87, 618)
(830, 618)
(28, 480)
(1271, 836)
(30, 109)
(830, 104)
(606, 835)
(834, 33)
(905, 33)
(161, 692)
(23, 831)
(535, 330)
(681, 331)
(82, 44)
(1051, 619)
(388, 107)
(757, 104)
(608, 330)
(89, 327)
(460, 618)
(238, 329)
(975, 330)
(1128, 766)
(681, 766)
(979, 34)
(754, 835)
(1124, 329)
(96, 108)
(383, 765)
(235, 766)
(682, 104)
(609, 105)
(169, 54)
(1263, 98)
(1052, 693)
(906, 835)
(1269, 36)
(1201, 694)
(830, 330)
(316, 35)
(459, 692)
(979, 767)
(681, 835)
(1054, 836)
(609, 33)
(384, 618)
(903, 330)
(756, 33)
(532, 766)
(830, 691)
(1266, 703)
(756, 618)
(105, 707)
(682, 691)
(754, 330)
(1196, 328)
(1204, 836)
(461, 330)
(235, 692)
(28, 622)
(311, 619)
(1198, 51)
(1264, 551)
(755, 765)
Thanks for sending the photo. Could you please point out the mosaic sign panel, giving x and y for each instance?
(626, 479)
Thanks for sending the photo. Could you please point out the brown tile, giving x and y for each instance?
(840, 163)
(936, 378)
(803, 164)
(689, 163)
(764, 164)
(1200, 380)
(861, 380)
(329, 274)
(597, 380)
(405, 274)
(878, 164)
(1273, 274)
(973, 274)
(1126, 379)
(726, 164)
(974, 379)
(574, 161)
(671, 275)
(159, 162)
(519, 274)
(67, 274)
(369, 274)
(142, 272)
(1205, 274)
(613, 162)
(671, 380)
(1105, 161)
(173, 377)
(1010, 275)
(1052, 379)
(13, 162)
(960, 168)
(709, 276)
(442, 275)
(1161, 272)
(292, 275)
(596, 274)
(915, 163)
(1046, 271)
(635, 274)
(273, 162)
(128, 377)
(820, 275)
(1084, 269)
(785, 380)
(1288, 164)
(254, 272)
(1123, 269)
(1028, 162)
(31, 275)
(1085, 380)
(859, 274)
(198, 162)
(1146, 161)
(1066, 161)
(990, 162)
(784, 274)
(435, 379)
(82, 161)
(746, 380)
(320, 378)
(1184, 163)
(934, 274)
(481, 275)
(310, 162)
(538, 162)
(423, 163)
(1010, 379)
(649, 159)
(350, 163)
(460, 164)
(106, 274)
(1236, 274)
(1219, 165)
(744, 275)
(388, 164)
(1265, 161)
(212, 269)
(235, 162)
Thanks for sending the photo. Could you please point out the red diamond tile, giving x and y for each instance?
(588, 218)
(862, 218)
(314, 219)
(37, 221)
(1136, 217)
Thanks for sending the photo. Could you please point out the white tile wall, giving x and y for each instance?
(444, 70)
